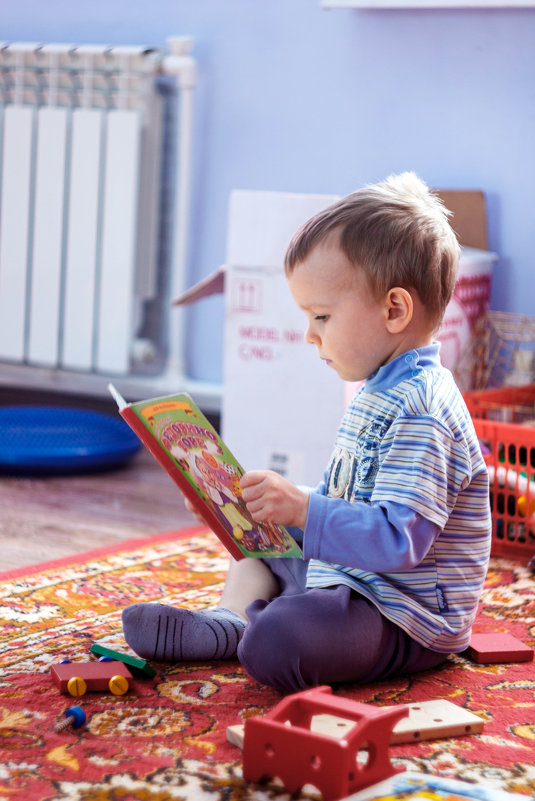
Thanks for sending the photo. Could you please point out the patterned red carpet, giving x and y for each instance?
(165, 740)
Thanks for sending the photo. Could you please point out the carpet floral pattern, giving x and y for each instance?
(166, 738)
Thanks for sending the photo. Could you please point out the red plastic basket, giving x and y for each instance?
(509, 449)
(505, 405)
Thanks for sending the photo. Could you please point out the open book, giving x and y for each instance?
(189, 448)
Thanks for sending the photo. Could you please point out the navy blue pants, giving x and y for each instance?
(304, 638)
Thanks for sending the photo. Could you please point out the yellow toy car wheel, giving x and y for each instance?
(118, 685)
(76, 686)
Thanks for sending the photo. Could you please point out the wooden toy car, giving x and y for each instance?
(77, 678)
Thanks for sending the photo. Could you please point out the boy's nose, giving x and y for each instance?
(311, 337)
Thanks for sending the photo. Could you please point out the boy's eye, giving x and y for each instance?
(321, 317)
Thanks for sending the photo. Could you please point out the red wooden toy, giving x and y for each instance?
(498, 647)
(281, 744)
(77, 678)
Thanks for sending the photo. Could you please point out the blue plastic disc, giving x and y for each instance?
(56, 439)
(77, 714)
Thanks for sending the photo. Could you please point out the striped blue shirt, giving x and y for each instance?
(403, 514)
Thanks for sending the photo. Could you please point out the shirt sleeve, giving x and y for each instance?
(381, 537)
(423, 467)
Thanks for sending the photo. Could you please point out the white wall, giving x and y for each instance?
(292, 97)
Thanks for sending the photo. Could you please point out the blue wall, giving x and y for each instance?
(292, 97)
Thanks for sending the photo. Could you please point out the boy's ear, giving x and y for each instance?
(399, 309)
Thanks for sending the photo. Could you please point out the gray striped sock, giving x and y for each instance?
(171, 634)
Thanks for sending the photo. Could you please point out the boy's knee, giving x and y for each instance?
(271, 652)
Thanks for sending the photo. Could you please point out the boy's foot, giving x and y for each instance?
(172, 634)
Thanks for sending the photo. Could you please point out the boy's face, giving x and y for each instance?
(345, 321)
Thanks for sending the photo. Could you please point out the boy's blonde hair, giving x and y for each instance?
(398, 232)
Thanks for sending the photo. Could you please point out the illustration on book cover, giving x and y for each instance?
(203, 459)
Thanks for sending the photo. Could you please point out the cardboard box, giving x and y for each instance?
(281, 405)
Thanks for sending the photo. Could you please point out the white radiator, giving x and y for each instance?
(81, 204)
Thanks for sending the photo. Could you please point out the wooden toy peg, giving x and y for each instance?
(74, 718)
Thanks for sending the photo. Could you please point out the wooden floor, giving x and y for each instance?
(42, 519)
(47, 518)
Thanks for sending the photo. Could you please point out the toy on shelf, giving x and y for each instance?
(281, 744)
(77, 678)
(135, 664)
(500, 352)
(74, 718)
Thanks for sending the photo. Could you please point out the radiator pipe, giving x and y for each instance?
(181, 65)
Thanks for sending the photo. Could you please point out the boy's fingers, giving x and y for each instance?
(251, 478)
(251, 494)
(253, 485)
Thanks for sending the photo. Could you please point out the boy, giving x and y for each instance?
(396, 538)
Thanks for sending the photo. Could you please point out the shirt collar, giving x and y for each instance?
(407, 365)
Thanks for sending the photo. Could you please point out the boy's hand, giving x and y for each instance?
(270, 498)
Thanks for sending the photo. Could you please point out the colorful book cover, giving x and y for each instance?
(189, 448)
(421, 787)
